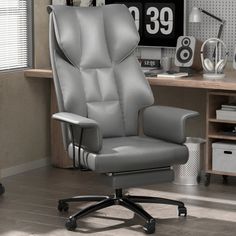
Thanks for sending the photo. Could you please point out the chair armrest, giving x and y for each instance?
(92, 135)
(74, 119)
(167, 123)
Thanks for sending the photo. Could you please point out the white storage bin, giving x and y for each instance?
(188, 173)
(225, 115)
(224, 157)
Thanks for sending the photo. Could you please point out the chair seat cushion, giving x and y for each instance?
(133, 153)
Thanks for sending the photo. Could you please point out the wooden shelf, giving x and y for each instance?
(220, 136)
(226, 94)
(217, 129)
(222, 121)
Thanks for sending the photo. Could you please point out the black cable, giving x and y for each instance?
(79, 167)
(80, 143)
(73, 143)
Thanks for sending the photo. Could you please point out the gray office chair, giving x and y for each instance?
(103, 99)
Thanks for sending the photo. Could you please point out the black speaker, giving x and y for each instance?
(188, 53)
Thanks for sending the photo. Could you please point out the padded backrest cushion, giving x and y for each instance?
(98, 75)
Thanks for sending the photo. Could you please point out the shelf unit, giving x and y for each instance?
(215, 129)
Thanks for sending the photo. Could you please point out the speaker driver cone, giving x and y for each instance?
(184, 54)
(186, 42)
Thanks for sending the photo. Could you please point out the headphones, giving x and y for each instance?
(220, 61)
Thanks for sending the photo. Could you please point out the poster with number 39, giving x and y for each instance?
(159, 22)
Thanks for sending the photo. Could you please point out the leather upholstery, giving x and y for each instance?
(134, 153)
(91, 127)
(96, 75)
(74, 119)
(167, 123)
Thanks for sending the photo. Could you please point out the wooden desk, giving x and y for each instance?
(59, 156)
(215, 88)
(228, 83)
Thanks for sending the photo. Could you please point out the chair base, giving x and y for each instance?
(127, 201)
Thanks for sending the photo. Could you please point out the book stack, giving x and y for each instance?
(227, 112)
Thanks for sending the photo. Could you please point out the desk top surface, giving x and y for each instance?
(197, 81)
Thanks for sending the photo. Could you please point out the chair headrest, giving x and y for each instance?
(94, 37)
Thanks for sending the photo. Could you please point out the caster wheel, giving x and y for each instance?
(149, 228)
(198, 179)
(71, 224)
(2, 189)
(139, 205)
(182, 211)
(225, 179)
(208, 179)
(62, 206)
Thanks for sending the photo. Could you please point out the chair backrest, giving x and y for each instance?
(95, 72)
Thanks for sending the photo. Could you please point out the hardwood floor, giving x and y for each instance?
(29, 207)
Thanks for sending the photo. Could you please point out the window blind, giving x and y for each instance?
(15, 34)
